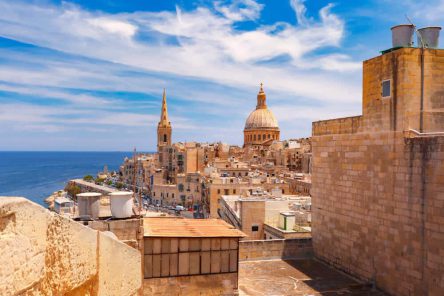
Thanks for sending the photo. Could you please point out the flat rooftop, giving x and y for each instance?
(182, 227)
(297, 277)
(93, 185)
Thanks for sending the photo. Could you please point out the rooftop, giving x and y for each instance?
(93, 185)
(297, 277)
(180, 227)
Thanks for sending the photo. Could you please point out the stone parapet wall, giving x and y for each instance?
(378, 209)
(43, 253)
(275, 249)
(346, 125)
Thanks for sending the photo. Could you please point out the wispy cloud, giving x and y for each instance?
(200, 54)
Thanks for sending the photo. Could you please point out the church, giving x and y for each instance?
(261, 127)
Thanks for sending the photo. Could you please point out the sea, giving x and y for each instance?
(36, 175)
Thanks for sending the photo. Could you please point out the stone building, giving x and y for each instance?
(259, 215)
(377, 183)
(261, 127)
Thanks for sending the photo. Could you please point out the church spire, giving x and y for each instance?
(164, 129)
(261, 98)
(164, 121)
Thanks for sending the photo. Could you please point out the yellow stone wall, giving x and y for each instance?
(378, 192)
(43, 253)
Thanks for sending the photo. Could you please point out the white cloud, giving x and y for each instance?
(183, 48)
(121, 28)
(239, 10)
(209, 46)
(300, 10)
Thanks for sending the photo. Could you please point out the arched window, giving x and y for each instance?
(254, 137)
(164, 137)
(269, 136)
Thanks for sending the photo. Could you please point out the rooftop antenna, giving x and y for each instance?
(416, 30)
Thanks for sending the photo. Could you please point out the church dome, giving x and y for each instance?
(261, 119)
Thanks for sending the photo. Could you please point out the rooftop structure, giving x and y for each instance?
(263, 215)
(179, 227)
(193, 256)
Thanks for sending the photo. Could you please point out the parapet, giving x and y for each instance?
(44, 253)
(346, 125)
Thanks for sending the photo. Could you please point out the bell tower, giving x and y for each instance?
(164, 129)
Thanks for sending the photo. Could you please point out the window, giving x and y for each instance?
(180, 187)
(254, 228)
(226, 191)
(172, 195)
(218, 191)
(164, 137)
(234, 191)
(386, 91)
(254, 138)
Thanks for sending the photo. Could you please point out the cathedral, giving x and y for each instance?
(261, 127)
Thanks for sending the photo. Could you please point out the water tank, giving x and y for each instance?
(89, 204)
(402, 35)
(430, 37)
(121, 204)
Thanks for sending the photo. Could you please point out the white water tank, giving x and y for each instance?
(402, 35)
(121, 204)
(89, 204)
(429, 36)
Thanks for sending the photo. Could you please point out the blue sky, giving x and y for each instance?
(89, 75)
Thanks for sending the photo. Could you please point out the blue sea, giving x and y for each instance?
(35, 175)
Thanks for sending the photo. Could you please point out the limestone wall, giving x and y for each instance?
(208, 284)
(43, 253)
(346, 125)
(378, 209)
(275, 249)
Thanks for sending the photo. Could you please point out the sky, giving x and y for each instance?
(87, 75)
